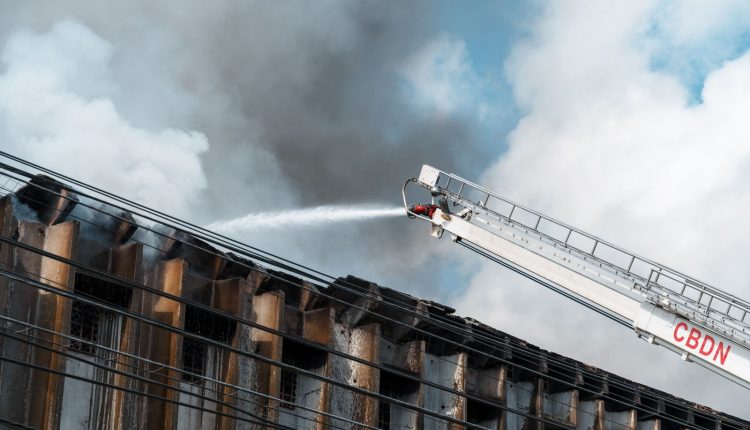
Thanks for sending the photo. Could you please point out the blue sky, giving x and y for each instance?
(490, 30)
(692, 59)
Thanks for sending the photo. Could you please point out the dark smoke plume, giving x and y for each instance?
(303, 103)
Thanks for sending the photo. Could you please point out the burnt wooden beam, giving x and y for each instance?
(166, 346)
(127, 263)
(8, 227)
(16, 380)
(269, 312)
(54, 313)
(235, 297)
(318, 325)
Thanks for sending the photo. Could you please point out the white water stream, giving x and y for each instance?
(304, 217)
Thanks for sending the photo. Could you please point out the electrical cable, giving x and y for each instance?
(185, 223)
(334, 281)
(177, 380)
(53, 257)
(4, 333)
(36, 284)
(448, 360)
(275, 332)
(463, 394)
(262, 327)
(670, 399)
(159, 364)
(177, 298)
(119, 281)
(333, 352)
(131, 391)
(14, 424)
(164, 365)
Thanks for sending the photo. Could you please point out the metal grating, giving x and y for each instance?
(89, 322)
(193, 360)
(197, 357)
(84, 324)
(389, 386)
(288, 392)
(384, 416)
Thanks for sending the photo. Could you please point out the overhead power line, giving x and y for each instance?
(316, 276)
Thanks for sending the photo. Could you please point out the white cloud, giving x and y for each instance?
(697, 21)
(54, 110)
(616, 148)
(441, 78)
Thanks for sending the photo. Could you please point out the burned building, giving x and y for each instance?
(113, 316)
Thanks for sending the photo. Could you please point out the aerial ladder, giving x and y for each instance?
(665, 307)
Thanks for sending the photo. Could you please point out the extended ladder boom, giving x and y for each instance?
(665, 307)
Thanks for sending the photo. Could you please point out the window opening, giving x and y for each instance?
(195, 353)
(482, 414)
(301, 356)
(90, 322)
(288, 384)
(395, 387)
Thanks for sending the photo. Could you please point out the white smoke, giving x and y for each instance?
(621, 150)
(308, 217)
(55, 111)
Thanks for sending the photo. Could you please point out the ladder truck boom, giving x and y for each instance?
(665, 307)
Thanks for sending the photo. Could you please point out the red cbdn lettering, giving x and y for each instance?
(707, 351)
(679, 326)
(693, 338)
(708, 346)
(721, 354)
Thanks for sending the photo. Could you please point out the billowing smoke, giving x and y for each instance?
(619, 144)
(302, 105)
(53, 109)
(333, 102)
